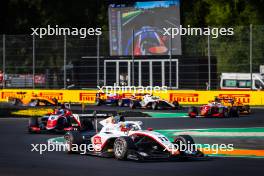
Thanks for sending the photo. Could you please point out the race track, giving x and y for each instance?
(16, 157)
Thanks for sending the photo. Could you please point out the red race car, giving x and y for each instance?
(213, 109)
(62, 120)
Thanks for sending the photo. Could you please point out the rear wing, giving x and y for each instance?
(93, 116)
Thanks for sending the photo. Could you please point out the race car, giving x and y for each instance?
(232, 102)
(62, 120)
(120, 100)
(26, 99)
(153, 102)
(214, 109)
(126, 98)
(111, 99)
(126, 140)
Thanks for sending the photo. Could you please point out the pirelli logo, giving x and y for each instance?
(126, 95)
(241, 98)
(5, 95)
(184, 97)
(50, 95)
(87, 97)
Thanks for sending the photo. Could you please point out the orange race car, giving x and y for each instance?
(27, 99)
(232, 102)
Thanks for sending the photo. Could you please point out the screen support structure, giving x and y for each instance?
(140, 70)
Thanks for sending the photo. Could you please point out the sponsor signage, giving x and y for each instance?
(184, 97)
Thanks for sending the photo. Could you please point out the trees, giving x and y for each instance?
(232, 52)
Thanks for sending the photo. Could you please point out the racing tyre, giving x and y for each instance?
(226, 114)
(73, 139)
(122, 145)
(98, 102)
(247, 109)
(132, 104)
(33, 122)
(120, 103)
(14, 101)
(185, 142)
(176, 104)
(87, 125)
(154, 105)
(233, 112)
(224, 111)
(193, 112)
(61, 123)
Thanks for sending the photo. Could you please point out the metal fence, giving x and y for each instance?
(69, 62)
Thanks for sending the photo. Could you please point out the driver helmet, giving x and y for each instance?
(61, 111)
(129, 126)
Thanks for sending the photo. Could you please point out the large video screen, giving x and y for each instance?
(145, 21)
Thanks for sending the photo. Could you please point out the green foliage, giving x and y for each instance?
(232, 52)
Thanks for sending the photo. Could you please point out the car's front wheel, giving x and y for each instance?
(193, 112)
(33, 122)
(247, 109)
(234, 112)
(154, 105)
(122, 145)
(186, 146)
(98, 102)
(132, 104)
(73, 141)
(120, 103)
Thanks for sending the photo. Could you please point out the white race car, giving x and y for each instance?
(153, 102)
(126, 140)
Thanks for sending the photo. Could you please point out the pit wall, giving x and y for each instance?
(183, 96)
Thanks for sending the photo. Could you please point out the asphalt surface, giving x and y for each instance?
(16, 157)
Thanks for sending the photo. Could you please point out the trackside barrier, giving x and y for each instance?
(183, 96)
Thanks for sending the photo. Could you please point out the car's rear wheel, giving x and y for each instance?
(61, 124)
(122, 145)
(154, 105)
(73, 141)
(86, 125)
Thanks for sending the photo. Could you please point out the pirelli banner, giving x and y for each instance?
(202, 97)
(71, 96)
(182, 96)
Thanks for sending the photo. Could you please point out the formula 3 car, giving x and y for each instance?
(61, 121)
(214, 109)
(126, 140)
(26, 99)
(120, 100)
(232, 102)
(153, 102)
(111, 99)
